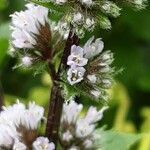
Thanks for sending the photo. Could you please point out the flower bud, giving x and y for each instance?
(110, 8)
(26, 61)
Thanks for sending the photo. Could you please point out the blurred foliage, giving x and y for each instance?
(129, 39)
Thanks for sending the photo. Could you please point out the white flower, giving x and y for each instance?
(92, 49)
(92, 78)
(8, 134)
(76, 57)
(93, 115)
(75, 75)
(43, 143)
(88, 144)
(18, 115)
(87, 2)
(77, 18)
(71, 112)
(13, 114)
(95, 93)
(76, 128)
(32, 116)
(83, 128)
(26, 25)
(67, 136)
(26, 61)
(22, 39)
(19, 146)
(60, 2)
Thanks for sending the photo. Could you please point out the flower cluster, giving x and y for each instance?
(85, 14)
(76, 61)
(96, 75)
(19, 126)
(78, 132)
(34, 34)
(31, 30)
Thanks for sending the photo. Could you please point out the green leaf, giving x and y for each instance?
(113, 140)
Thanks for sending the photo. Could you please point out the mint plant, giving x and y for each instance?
(46, 37)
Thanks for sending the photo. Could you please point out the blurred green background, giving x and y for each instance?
(129, 39)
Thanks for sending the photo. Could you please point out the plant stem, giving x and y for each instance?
(56, 98)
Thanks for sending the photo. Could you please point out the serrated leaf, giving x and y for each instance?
(113, 140)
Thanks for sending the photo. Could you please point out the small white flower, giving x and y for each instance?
(26, 61)
(75, 75)
(76, 57)
(60, 2)
(92, 78)
(92, 49)
(95, 93)
(79, 128)
(19, 146)
(77, 18)
(87, 2)
(71, 112)
(43, 143)
(22, 39)
(26, 25)
(88, 143)
(20, 116)
(83, 128)
(8, 134)
(93, 115)
(32, 116)
(67, 136)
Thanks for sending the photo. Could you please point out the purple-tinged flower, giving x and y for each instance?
(75, 75)
(76, 57)
(92, 49)
(43, 143)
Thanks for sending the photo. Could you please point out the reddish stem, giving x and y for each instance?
(56, 99)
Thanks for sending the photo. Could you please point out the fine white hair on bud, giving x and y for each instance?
(26, 61)
(79, 128)
(42, 143)
(110, 8)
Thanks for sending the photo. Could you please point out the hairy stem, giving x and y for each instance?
(56, 98)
